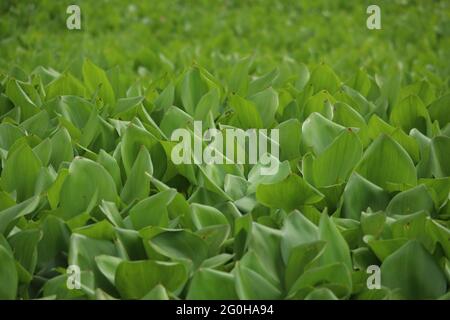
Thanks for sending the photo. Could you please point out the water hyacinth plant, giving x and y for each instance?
(349, 198)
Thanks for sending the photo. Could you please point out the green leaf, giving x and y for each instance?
(297, 230)
(377, 126)
(192, 89)
(96, 79)
(54, 242)
(319, 132)
(267, 79)
(324, 78)
(181, 245)
(83, 250)
(265, 243)
(388, 165)
(208, 103)
(15, 91)
(214, 236)
(410, 113)
(320, 103)
(61, 148)
(54, 191)
(336, 249)
(9, 134)
(321, 294)
(21, 171)
(24, 245)
(246, 113)
(299, 258)
(102, 230)
(173, 119)
(372, 223)
(336, 162)
(255, 178)
(65, 84)
(360, 194)
(251, 285)
(288, 194)
(78, 188)
(110, 164)
(238, 81)
(108, 266)
(412, 226)
(217, 261)
(165, 99)
(410, 201)
(440, 148)
(385, 247)
(209, 284)
(204, 216)
(440, 234)
(152, 211)
(346, 116)
(8, 275)
(235, 186)
(413, 271)
(132, 243)
(157, 293)
(290, 137)
(137, 185)
(335, 277)
(134, 139)
(266, 103)
(438, 110)
(7, 216)
(303, 77)
(124, 105)
(134, 279)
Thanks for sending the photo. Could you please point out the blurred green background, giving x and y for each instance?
(149, 38)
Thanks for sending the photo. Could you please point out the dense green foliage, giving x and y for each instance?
(87, 180)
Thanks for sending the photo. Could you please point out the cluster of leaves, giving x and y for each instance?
(86, 177)
(87, 180)
(151, 38)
